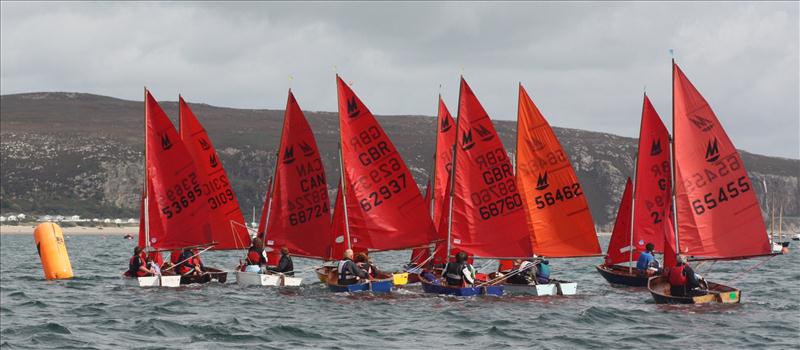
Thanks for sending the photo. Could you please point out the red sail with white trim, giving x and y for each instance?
(619, 247)
(653, 190)
(488, 216)
(718, 213)
(445, 139)
(300, 215)
(392, 211)
(228, 229)
(559, 219)
(181, 203)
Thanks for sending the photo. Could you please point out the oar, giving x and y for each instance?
(187, 259)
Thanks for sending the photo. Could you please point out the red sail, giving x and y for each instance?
(300, 215)
(559, 219)
(653, 192)
(227, 223)
(445, 139)
(385, 197)
(152, 221)
(420, 254)
(337, 235)
(488, 216)
(619, 247)
(177, 185)
(718, 213)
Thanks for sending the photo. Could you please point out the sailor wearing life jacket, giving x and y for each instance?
(285, 264)
(459, 273)
(524, 273)
(682, 279)
(137, 266)
(255, 258)
(348, 271)
(190, 262)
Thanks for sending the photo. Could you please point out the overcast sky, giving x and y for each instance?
(584, 64)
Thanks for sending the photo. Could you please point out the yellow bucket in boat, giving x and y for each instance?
(400, 279)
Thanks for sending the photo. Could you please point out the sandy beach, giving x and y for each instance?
(76, 230)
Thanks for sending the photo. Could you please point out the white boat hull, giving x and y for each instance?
(154, 281)
(171, 281)
(567, 288)
(148, 281)
(246, 279)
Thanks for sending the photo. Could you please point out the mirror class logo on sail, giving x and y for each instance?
(721, 181)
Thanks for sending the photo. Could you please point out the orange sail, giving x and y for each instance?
(299, 217)
(488, 219)
(559, 219)
(228, 229)
(619, 247)
(392, 211)
(177, 185)
(718, 213)
(653, 191)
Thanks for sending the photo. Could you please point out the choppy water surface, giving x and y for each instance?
(96, 310)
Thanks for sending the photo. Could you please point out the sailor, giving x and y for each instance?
(255, 257)
(460, 273)
(190, 263)
(647, 263)
(682, 279)
(153, 266)
(365, 263)
(285, 265)
(137, 266)
(524, 272)
(542, 271)
(349, 272)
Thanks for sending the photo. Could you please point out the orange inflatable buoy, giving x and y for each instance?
(52, 250)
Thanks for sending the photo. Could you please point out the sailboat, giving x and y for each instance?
(228, 228)
(297, 213)
(381, 204)
(485, 215)
(644, 207)
(716, 215)
(173, 206)
(436, 194)
(558, 216)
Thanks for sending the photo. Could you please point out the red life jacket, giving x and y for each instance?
(676, 277)
(175, 257)
(253, 257)
(134, 268)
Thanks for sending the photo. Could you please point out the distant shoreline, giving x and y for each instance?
(75, 230)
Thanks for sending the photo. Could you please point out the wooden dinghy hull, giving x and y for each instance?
(660, 289)
(208, 275)
(247, 279)
(428, 287)
(322, 273)
(619, 275)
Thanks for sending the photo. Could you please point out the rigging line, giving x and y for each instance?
(748, 270)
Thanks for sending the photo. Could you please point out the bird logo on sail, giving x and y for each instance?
(165, 143)
(212, 160)
(288, 155)
(484, 133)
(204, 144)
(701, 123)
(466, 140)
(352, 108)
(712, 151)
(306, 148)
(655, 149)
(541, 182)
(446, 125)
(535, 144)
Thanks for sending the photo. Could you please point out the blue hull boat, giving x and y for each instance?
(375, 286)
(429, 287)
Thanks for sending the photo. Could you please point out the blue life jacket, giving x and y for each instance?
(645, 259)
(543, 270)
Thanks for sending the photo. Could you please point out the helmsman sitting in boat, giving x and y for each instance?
(137, 266)
(460, 273)
(190, 262)
(348, 271)
(683, 281)
(255, 259)
(285, 264)
(647, 263)
(363, 261)
(523, 273)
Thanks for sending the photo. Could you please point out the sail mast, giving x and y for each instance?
(453, 175)
(672, 169)
(344, 194)
(146, 206)
(633, 197)
(432, 190)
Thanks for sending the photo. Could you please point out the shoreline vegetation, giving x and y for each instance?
(27, 229)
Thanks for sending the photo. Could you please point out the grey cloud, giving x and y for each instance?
(585, 64)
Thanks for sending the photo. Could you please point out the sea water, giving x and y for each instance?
(97, 310)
